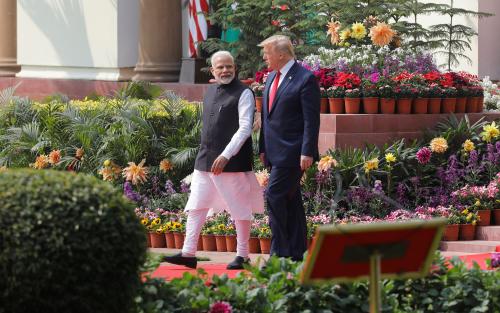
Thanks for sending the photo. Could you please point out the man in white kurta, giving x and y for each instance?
(223, 178)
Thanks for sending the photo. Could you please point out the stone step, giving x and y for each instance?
(472, 246)
(488, 233)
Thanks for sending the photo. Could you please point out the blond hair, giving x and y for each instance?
(221, 54)
(281, 43)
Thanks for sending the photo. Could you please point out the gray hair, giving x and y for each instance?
(221, 54)
(281, 43)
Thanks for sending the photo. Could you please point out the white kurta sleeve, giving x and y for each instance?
(246, 107)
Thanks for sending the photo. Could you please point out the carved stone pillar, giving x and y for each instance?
(160, 42)
(8, 38)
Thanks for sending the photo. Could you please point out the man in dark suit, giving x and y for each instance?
(288, 143)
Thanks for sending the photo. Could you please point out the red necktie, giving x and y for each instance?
(274, 89)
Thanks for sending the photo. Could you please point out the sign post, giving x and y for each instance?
(351, 252)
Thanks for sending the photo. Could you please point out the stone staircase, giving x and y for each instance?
(487, 241)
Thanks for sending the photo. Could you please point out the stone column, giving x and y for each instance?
(160, 41)
(8, 38)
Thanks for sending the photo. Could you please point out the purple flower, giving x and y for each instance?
(424, 155)
(374, 77)
(495, 260)
(377, 187)
(131, 194)
(169, 187)
(220, 307)
(185, 188)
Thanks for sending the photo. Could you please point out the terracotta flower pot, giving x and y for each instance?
(419, 105)
(309, 243)
(220, 242)
(479, 104)
(231, 243)
(209, 243)
(323, 105)
(336, 105)
(169, 238)
(387, 105)
(352, 105)
(448, 105)
(461, 103)
(265, 245)
(370, 105)
(496, 216)
(484, 217)
(179, 240)
(158, 240)
(434, 105)
(467, 231)
(148, 239)
(451, 232)
(253, 245)
(200, 244)
(470, 105)
(403, 106)
(258, 104)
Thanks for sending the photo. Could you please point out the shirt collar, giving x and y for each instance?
(287, 67)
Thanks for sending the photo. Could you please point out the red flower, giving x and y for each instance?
(284, 7)
(275, 23)
(347, 80)
(260, 75)
(432, 76)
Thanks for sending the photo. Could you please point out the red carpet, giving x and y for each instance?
(176, 271)
(480, 259)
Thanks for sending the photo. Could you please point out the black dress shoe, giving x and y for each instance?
(237, 263)
(188, 261)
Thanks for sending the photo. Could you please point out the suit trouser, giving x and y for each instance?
(286, 213)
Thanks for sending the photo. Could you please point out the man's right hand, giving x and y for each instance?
(263, 158)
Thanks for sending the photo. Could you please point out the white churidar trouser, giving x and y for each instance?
(194, 224)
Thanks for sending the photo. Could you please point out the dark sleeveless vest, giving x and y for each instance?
(220, 123)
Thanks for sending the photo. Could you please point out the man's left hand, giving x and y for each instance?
(305, 162)
(219, 165)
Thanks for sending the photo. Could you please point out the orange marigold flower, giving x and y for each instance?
(54, 157)
(326, 163)
(165, 165)
(135, 173)
(42, 161)
(381, 34)
(107, 173)
(333, 31)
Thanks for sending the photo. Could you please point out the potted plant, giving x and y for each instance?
(157, 234)
(352, 100)
(258, 91)
(169, 234)
(323, 100)
(369, 92)
(387, 100)
(179, 230)
(265, 239)
(231, 237)
(462, 93)
(449, 101)
(452, 229)
(435, 94)
(404, 93)
(207, 235)
(253, 242)
(421, 101)
(468, 222)
(220, 237)
(336, 99)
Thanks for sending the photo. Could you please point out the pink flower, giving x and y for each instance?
(220, 307)
(424, 155)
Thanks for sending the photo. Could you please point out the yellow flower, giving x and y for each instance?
(165, 165)
(144, 221)
(156, 221)
(358, 31)
(439, 145)
(333, 31)
(107, 163)
(465, 211)
(468, 146)
(469, 217)
(381, 34)
(389, 158)
(221, 227)
(54, 156)
(326, 163)
(477, 203)
(371, 165)
(490, 131)
(473, 222)
(345, 34)
(42, 161)
(135, 173)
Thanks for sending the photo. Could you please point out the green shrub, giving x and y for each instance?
(68, 243)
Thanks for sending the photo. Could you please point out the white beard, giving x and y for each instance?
(226, 80)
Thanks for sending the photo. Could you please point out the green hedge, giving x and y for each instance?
(68, 243)
(277, 289)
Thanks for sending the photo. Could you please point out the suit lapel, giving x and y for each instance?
(284, 84)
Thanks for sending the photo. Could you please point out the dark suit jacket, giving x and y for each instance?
(291, 129)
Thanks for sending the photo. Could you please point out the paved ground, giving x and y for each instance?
(215, 257)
